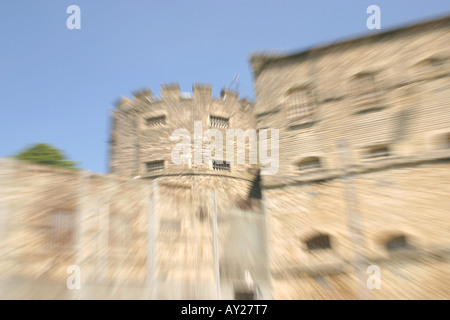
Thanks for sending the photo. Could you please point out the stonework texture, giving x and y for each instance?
(131, 238)
(364, 161)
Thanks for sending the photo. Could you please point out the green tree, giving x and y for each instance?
(43, 153)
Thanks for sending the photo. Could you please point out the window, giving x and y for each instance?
(62, 230)
(433, 66)
(364, 89)
(300, 104)
(224, 166)
(201, 212)
(156, 121)
(154, 166)
(378, 152)
(265, 115)
(396, 242)
(218, 122)
(319, 242)
(309, 164)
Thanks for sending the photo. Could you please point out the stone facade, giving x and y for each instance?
(130, 238)
(364, 159)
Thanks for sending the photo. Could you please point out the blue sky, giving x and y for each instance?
(58, 86)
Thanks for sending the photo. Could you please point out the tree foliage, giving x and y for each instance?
(43, 153)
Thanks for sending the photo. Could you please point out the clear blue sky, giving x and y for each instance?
(59, 85)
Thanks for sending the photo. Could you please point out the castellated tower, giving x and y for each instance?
(208, 235)
(144, 137)
(141, 137)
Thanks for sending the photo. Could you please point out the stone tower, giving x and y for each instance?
(141, 143)
(145, 136)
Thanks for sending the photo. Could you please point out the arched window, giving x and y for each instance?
(432, 66)
(396, 242)
(309, 164)
(319, 242)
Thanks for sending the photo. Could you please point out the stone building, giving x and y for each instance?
(152, 229)
(362, 186)
(142, 147)
(364, 165)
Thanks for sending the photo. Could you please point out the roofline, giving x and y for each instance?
(260, 61)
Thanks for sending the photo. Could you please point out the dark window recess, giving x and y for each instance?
(224, 166)
(202, 213)
(396, 243)
(309, 164)
(319, 242)
(156, 121)
(219, 122)
(154, 166)
(379, 152)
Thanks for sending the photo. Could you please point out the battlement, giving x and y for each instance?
(172, 92)
(202, 92)
(229, 96)
(124, 103)
(144, 94)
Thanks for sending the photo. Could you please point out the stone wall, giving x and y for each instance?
(131, 238)
(404, 200)
(373, 120)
